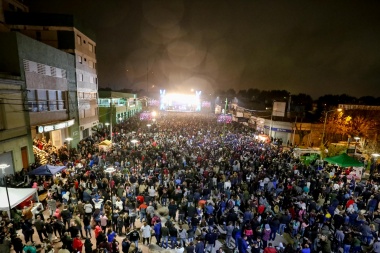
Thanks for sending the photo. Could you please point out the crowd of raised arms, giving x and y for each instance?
(189, 182)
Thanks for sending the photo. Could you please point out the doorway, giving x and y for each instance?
(24, 156)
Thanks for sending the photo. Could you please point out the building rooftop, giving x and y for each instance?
(46, 19)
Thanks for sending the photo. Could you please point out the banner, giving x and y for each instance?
(279, 109)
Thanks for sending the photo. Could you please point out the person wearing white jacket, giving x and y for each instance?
(146, 232)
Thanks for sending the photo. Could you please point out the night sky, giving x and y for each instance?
(313, 47)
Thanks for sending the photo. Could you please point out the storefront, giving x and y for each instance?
(278, 130)
(57, 133)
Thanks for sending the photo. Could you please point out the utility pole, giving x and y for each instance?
(294, 131)
(111, 119)
(271, 121)
(225, 113)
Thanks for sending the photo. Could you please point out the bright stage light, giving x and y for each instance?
(179, 102)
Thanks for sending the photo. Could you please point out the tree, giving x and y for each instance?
(341, 126)
(301, 132)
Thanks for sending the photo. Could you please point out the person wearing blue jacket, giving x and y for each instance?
(242, 244)
(157, 231)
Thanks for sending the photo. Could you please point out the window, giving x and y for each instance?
(90, 47)
(53, 71)
(84, 42)
(79, 40)
(91, 64)
(80, 59)
(80, 77)
(46, 100)
(52, 100)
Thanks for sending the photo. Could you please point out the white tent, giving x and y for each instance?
(16, 196)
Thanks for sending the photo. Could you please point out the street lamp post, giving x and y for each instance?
(134, 141)
(324, 123)
(356, 143)
(69, 139)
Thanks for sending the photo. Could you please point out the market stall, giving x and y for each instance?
(14, 197)
(345, 161)
(47, 170)
(105, 145)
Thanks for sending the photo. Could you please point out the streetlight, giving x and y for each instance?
(148, 125)
(69, 139)
(120, 119)
(134, 141)
(154, 113)
(110, 129)
(324, 124)
(356, 143)
(2, 167)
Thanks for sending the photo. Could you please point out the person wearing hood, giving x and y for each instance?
(266, 235)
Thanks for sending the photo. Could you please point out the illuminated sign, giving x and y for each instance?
(48, 128)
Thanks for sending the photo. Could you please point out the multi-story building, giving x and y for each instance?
(48, 86)
(65, 33)
(115, 107)
(13, 125)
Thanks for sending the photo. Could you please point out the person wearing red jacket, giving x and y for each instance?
(77, 244)
(270, 249)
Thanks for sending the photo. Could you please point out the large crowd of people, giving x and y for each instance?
(216, 181)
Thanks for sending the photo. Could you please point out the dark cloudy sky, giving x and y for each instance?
(314, 47)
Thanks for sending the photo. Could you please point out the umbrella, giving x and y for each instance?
(344, 160)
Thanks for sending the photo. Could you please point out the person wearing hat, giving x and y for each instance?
(266, 235)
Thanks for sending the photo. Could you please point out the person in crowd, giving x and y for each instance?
(77, 244)
(88, 245)
(208, 174)
(146, 233)
(134, 236)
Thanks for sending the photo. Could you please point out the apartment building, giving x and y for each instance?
(47, 83)
(65, 33)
